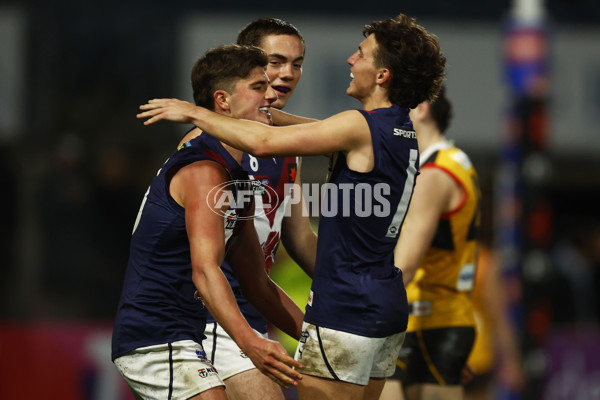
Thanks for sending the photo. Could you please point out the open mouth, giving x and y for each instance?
(265, 110)
(282, 89)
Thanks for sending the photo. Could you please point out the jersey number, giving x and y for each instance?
(409, 185)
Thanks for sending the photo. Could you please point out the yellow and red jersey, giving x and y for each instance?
(439, 294)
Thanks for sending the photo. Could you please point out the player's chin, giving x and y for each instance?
(264, 118)
(279, 103)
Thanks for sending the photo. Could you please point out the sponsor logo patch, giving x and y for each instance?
(419, 308)
(201, 355)
(205, 372)
(404, 133)
(303, 337)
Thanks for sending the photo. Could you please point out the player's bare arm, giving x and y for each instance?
(347, 131)
(282, 118)
(297, 235)
(247, 260)
(205, 229)
(422, 219)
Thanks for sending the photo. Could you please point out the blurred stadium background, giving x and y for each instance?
(76, 163)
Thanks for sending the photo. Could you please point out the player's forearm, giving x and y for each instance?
(297, 234)
(415, 239)
(302, 248)
(218, 298)
(407, 255)
(276, 306)
(281, 118)
(248, 136)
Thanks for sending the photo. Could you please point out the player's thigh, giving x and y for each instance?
(392, 390)
(313, 388)
(252, 385)
(224, 353)
(217, 393)
(180, 369)
(374, 389)
(342, 356)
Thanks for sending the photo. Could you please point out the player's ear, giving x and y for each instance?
(383, 75)
(221, 98)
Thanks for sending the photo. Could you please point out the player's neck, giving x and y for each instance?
(428, 137)
(373, 105)
(377, 99)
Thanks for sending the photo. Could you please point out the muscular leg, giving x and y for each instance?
(252, 385)
(216, 393)
(392, 390)
(373, 389)
(311, 388)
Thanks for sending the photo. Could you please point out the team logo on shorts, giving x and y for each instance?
(304, 337)
(201, 355)
(205, 372)
(231, 218)
(242, 354)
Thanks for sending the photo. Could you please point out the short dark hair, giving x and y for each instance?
(413, 56)
(440, 110)
(220, 69)
(254, 33)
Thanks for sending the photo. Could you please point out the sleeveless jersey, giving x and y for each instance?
(356, 288)
(439, 294)
(273, 178)
(159, 302)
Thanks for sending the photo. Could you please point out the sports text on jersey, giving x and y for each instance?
(404, 133)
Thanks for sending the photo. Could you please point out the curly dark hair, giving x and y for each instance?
(413, 56)
(254, 33)
(220, 69)
(441, 110)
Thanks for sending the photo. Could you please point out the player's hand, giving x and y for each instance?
(274, 361)
(166, 109)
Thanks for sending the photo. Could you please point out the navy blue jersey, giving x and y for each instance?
(356, 287)
(273, 177)
(159, 302)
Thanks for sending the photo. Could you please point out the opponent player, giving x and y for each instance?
(284, 46)
(437, 253)
(180, 238)
(357, 312)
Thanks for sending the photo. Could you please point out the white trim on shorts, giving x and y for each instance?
(224, 353)
(177, 370)
(343, 356)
